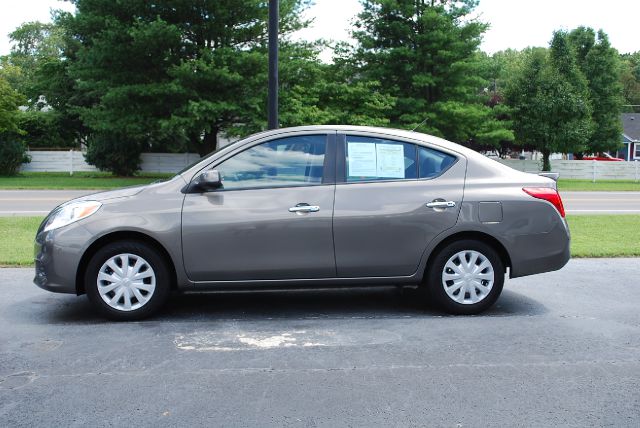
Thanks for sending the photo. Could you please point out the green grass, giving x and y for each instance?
(592, 236)
(600, 185)
(16, 240)
(79, 180)
(605, 235)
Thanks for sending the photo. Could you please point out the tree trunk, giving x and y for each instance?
(209, 142)
(546, 164)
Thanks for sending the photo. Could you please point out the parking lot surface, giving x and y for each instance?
(559, 349)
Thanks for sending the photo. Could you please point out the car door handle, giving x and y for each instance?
(304, 208)
(441, 204)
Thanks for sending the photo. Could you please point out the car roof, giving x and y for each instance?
(414, 135)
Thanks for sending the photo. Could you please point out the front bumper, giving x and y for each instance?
(57, 255)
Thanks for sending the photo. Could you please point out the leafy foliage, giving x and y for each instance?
(601, 67)
(34, 43)
(114, 153)
(630, 80)
(423, 55)
(550, 101)
(173, 73)
(45, 129)
(10, 100)
(12, 155)
(124, 77)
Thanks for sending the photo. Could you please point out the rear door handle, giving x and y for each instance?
(441, 204)
(304, 208)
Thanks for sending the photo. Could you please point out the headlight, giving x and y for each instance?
(70, 213)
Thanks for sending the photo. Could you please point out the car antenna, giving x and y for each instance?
(419, 125)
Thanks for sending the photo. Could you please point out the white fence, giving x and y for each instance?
(73, 161)
(589, 170)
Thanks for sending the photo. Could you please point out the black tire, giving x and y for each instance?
(155, 260)
(434, 280)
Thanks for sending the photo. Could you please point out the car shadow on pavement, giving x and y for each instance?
(376, 303)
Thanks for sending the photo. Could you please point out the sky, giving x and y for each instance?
(514, 23)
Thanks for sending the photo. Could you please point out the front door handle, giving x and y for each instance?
(304, 208)
(441, 204)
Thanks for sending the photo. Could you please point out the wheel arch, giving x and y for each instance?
(474, 235)
(122, 236)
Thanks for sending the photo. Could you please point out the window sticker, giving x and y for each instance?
(390, 160)
(362, 159)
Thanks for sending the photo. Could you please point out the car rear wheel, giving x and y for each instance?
(127, 280)
(465, 277)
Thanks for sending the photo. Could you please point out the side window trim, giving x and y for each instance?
(341, 161)
(328, 167)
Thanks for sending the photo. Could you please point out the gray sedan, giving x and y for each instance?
(310, 207)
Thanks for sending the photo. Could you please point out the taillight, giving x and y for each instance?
(548, 194)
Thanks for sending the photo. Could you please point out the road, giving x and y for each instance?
(559, 349)
(40, 202)
(601, 202)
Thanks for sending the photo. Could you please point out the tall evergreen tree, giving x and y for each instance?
(423, 53)
(172, 72)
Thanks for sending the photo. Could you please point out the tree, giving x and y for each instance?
(45, 128)
(424, 55)
(34, 43)
(313, 92)
(550, 101)
(11, 150)
(10, 100)
(630, 80)
(582, 39)
(601, 67)
(172, 74)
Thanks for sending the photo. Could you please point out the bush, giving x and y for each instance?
(117, 155)
(12, 155)
(45, 129)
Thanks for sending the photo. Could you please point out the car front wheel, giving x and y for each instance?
(127, 280)
(466, 277)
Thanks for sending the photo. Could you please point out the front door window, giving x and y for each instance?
(293, 161)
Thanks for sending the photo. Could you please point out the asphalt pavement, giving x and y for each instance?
(40, 202)
(558, 349)
(601, 202)
(35, 202)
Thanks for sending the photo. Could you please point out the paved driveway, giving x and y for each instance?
(559, 349)
(40, 202)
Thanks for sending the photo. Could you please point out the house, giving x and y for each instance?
(630, 136)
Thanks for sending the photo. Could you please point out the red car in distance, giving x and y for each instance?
(602, 157)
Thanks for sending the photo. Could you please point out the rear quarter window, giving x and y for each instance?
(432, 163)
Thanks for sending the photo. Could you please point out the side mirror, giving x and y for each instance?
(208, 180)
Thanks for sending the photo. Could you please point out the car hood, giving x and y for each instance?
(112, 194)
(122, 193)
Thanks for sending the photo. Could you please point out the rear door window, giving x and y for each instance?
(370, 159)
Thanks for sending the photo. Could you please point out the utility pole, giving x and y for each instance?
(272, 101)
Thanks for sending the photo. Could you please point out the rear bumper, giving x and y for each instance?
(541, 252)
